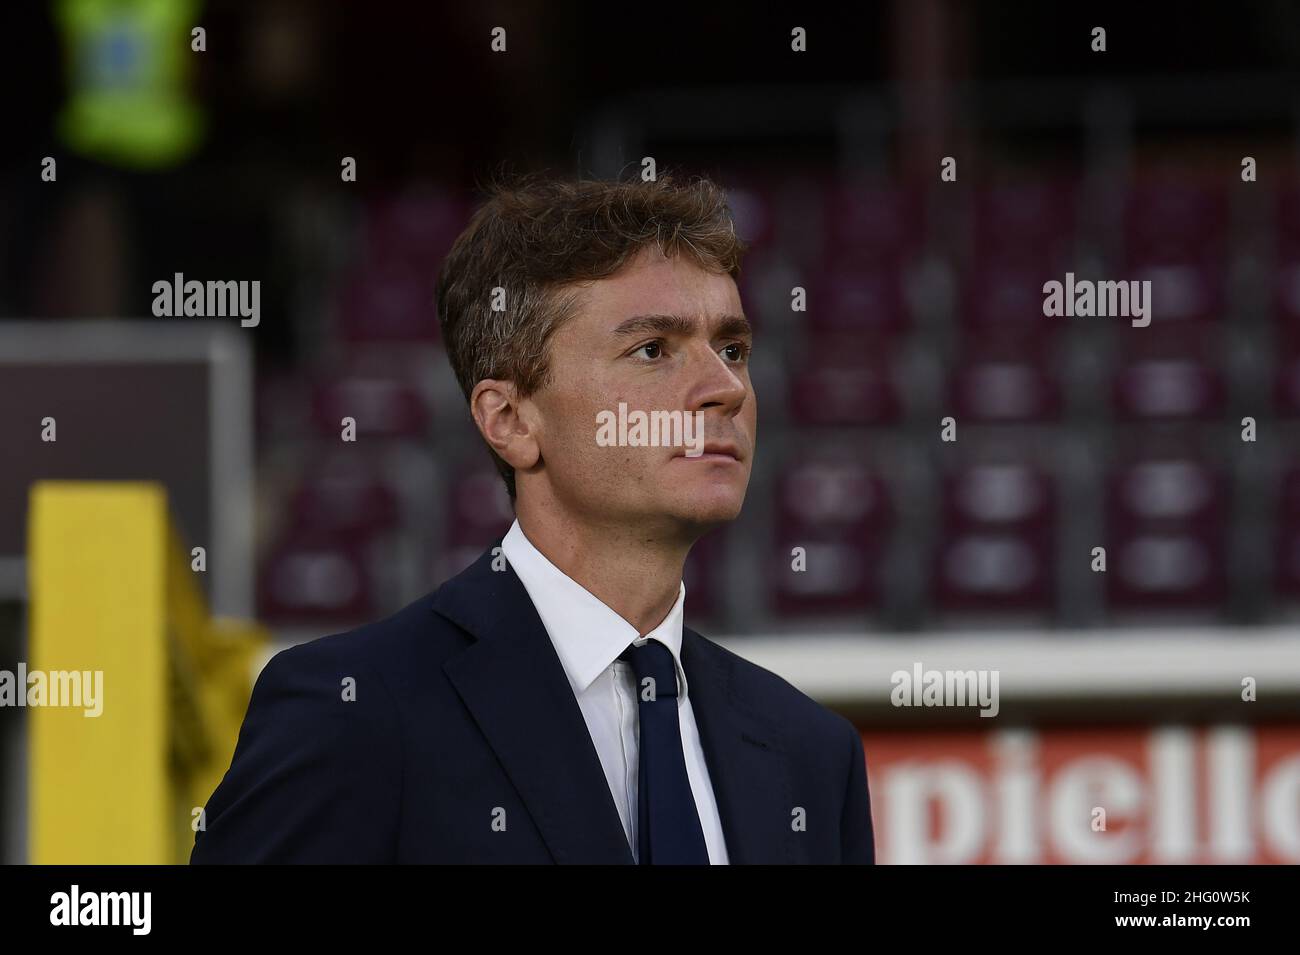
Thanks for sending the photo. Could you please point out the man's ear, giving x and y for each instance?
(495, 406)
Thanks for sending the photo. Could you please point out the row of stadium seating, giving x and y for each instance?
(991, 523)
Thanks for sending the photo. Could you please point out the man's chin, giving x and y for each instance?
(708, 509)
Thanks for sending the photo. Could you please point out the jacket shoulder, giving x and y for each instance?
(397, 648)
(775, 700)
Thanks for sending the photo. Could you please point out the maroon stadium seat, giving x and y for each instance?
(704, 577)
(841, 514)
(477, 512)
(866, 300)
(1173, 386)
(1033, 221)
(1167, 221)
(1166, 534)
(416, 228)
(999, 495)
(1287, 535)
(1171, 491)
(869, 220)
(753, 203)
(383, 404)
(1005, 297)
(1286, 288)
(1005, 382)
(389, 302)
(996, 544)
(478, 509)
(852, 385)
(1183, 288)
(345, 494)
(315, 577)
(987, 570)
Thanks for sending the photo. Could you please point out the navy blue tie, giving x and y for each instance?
(669, 830)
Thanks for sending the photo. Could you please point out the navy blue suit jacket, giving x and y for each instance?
(465, 744)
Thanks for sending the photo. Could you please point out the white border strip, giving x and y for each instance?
(230, 436)
(853, 668)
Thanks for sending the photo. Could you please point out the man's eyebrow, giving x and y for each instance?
(681, 325)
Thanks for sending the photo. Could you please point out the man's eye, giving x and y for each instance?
(654, 347)
(739, 351)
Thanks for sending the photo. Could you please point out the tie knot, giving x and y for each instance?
(653, 659)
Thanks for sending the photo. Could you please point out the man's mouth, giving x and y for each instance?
(713, 450)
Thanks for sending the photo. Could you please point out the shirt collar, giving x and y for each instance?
(587, 634)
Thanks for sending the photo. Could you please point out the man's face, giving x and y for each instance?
(660, 335)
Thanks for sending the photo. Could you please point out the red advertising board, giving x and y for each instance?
(1147, 794)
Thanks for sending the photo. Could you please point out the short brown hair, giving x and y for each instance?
(535, 237)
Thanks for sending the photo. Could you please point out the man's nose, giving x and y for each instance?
(716, 384)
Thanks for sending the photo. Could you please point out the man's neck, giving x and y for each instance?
(635, 575)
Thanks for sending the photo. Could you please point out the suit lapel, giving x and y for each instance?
(514, 684)
(747, 759)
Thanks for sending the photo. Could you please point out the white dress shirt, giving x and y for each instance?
(588, 638)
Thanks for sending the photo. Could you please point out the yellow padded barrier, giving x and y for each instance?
(114, 601)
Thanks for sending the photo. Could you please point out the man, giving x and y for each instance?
(548, 704)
